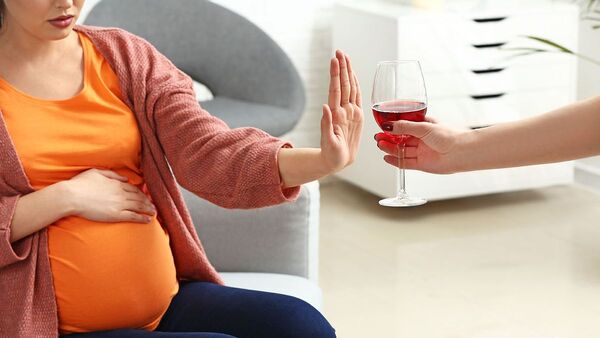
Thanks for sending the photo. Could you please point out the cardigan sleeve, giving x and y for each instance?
(10, 253)
(233, 168)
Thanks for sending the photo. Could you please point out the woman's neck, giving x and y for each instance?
(17, 44)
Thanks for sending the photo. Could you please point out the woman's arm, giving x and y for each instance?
(563, 134)
(341, 127)
(39, 209)
(245, 167)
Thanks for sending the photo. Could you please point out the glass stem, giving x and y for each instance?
(401, 179)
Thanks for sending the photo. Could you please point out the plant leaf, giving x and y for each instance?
(525, 53)
(591, 18)
(525, 49)
(551, 43)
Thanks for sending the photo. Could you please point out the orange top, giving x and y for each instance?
(106, 275)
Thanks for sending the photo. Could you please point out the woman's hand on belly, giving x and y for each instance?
(105, 196)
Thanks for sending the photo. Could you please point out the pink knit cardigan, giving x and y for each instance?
(234, 168)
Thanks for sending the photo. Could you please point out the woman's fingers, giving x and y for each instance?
(392, 149)
(383, 136)
(358, 93)
(416, 129)
(344, 78)
(388, 147)
(335, 91)
(112, 174)
(327, 123)
(410, 142)
(352, 78)
(431, 119)
(343, 83)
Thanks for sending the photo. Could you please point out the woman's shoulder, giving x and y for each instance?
(134, 55)
(100, 30)
(113, 36)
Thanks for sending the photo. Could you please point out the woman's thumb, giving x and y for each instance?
(416, 129)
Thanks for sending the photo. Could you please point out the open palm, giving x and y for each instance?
(342, 121)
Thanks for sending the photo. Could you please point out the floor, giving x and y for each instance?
(524, 264)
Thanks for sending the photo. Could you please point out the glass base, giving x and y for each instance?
(402, 202)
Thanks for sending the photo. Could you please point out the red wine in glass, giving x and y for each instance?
(399, 94)
(391, 111)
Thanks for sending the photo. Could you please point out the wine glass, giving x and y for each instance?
(399, 94)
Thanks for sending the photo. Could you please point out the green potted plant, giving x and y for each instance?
(590, 12)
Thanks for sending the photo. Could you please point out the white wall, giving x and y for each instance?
(89, 4)
(589, 73)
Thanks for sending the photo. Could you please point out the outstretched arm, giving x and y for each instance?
(563, 134)
(341, 127)
(243, 167)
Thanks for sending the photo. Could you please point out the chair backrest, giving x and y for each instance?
(229, 54)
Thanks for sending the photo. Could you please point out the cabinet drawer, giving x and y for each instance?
(472, 113)
(440, 56)
(486, 27)
(510, 79)
(455, 41)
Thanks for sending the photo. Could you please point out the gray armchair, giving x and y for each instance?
(271, 249)
(253, 81)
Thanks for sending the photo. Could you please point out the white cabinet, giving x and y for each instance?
(472, 77)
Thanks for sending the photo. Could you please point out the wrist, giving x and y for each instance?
(325, 167)
(64, 196)
(462, 158)
(300, 165)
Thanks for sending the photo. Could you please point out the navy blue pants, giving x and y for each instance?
(206, 310)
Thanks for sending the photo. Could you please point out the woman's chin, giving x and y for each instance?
(56, 33)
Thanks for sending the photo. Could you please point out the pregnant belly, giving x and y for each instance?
(110, 275)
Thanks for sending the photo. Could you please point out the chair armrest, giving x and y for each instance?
(279, 239)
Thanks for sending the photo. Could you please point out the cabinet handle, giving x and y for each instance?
(489, 45)
(492, 19)
(487, 71)
(487, 96)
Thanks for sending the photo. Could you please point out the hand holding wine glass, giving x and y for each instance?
(433, 148)
(399, 94)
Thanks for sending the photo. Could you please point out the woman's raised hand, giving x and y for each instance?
(105, 196)
(342, 121)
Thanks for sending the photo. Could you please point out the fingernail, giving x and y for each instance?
(387, 126)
